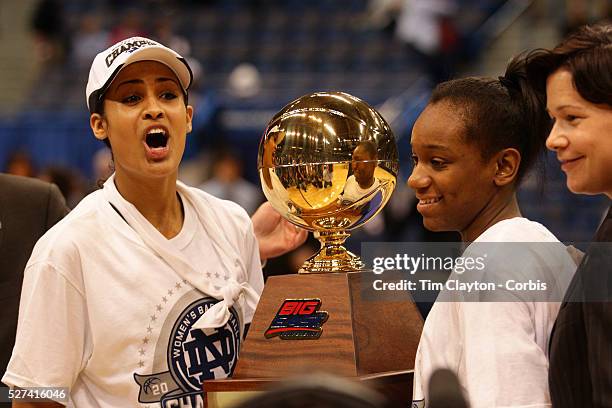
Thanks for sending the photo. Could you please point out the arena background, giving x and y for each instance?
(250, 58)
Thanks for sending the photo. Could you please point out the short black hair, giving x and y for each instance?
(369, 147)
(499, 113)
(586, 54)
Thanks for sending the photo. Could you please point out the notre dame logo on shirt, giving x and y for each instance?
(193, 355)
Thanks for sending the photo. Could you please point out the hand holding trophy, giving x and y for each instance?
(328, 163)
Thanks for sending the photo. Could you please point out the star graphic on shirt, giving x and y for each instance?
(141, 364)
(165, 299)
(159, 308)
(184, 281)
(153, 318)
(141, 351)
(217, 275)
(208, 274)
(177, 286)
(145, 340)
(149, 329)
(226, 277)
(170, 292)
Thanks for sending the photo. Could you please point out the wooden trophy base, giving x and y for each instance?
(369, 336)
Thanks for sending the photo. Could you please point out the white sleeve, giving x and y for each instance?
(418, 392)
(503, 364)
(52, 341)
(253, 265)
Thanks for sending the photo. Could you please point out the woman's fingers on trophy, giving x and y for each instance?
(275, 235)
(296, 235)
(265, 219)
(282, 238)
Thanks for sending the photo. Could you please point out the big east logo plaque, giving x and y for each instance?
(298, 319)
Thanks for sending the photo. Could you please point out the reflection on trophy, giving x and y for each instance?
(363, 182)
(328, 163)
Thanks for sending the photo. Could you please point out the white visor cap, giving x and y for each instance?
(107, 64)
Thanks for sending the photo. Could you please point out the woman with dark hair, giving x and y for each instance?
(472, 145)
(574, 82)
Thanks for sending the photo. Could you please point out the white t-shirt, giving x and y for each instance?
(353, 192)
(498, 350)
(105, 315)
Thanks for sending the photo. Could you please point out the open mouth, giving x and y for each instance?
(156, 143)
(156, 138)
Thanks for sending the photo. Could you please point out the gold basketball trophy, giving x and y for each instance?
(328, 163)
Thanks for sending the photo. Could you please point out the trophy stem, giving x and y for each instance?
(333, 256)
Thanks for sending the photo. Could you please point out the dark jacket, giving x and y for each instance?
(580, 373)
(28, 208)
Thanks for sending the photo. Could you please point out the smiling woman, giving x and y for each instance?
(130, 298)
(472, 145)
(574, 81)
(580, 136)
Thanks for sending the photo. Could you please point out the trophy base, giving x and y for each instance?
(361, 339)
(344, 261)
(333, 256)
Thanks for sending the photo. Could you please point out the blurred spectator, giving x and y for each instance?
(197, 169)
(165, 35)
(69, 183)
(581, 12)
(426, 27)
(195, 95)
(227, 182)
(130, 25)
(49, 28)
(89, 38)
(20, 163)
(207, 130)
(244, 81)
(382, 14)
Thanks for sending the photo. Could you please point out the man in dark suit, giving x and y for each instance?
(28, 208)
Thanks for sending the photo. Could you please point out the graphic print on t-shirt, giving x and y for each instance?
(186, 356)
